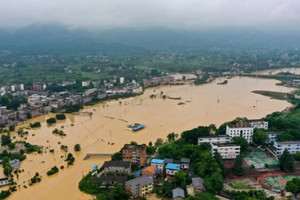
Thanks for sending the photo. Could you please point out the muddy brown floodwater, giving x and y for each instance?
(201, 105)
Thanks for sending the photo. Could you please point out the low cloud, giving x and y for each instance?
(141, 13)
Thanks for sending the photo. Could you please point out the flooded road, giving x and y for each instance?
(199, 105)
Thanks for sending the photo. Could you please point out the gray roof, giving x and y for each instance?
(168, 160)
(178, 192)
(116, 179)
(116, 164)
(142, 180)
(15, 163)
(185, 160)
(198, 181)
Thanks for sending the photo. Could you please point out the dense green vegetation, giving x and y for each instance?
(77, 147)
(4, 194)
(293, 186)
(60, 116)
(35, 125)
(249, 195)
(58, 132)
(5, 140)
(286, 161)
(242, 142)
(238, 168)
(52, 171)
(70, 159)
(51, 121)
(12, 102)
(288, 122)
(88, 186)
(260, 137)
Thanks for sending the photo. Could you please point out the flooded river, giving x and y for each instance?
(200, 105)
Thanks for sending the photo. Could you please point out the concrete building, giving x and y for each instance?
(227, 151)
(291, 146)
(171, 169)
(158, 163)
(260, 124)
(198, 184)
(240, 130)
(272, 136)
(135, 154)
(15, 163)
(121, 167)
(178, 194)
(215, 139)
(185, 163)
(111, 180)
(4, 181)
(122, 80)
(151, 171)
(139, 186)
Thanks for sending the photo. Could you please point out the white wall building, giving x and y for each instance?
(122, 80)
(256, 123)
(4, 181)
(227, 151)
(215, 139)
(272, 136)
(240, 130)
(291, 146)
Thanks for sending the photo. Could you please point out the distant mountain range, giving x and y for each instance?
(59, 40)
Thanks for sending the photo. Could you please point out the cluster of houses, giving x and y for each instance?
(41, 102)
(228, 150)
(113, 172)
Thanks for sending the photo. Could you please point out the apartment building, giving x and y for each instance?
(135, 154)
(291, 146)
(227, 151)
(215, 139)
(139, 186)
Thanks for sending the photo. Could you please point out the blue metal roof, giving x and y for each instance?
(173, 166)
(138, 127)
(157, 161)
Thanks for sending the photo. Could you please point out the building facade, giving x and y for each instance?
(158, 163)
(240, 130)
(227, 151)
(171, 169)
(291, 146)
(139, 186)
(120, 167)
(215, 139)
(272, 137)
(260, 124)
(135, 154)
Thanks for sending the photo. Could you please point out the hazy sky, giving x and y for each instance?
(147, 13)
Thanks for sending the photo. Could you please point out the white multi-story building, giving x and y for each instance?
(240, 130)
(215, 139)
(257, 123)
(272, 136)
(291, 146)
(227, 151)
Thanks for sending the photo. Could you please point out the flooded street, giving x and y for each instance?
(199, 105)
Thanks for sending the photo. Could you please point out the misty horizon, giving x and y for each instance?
(182, 15)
